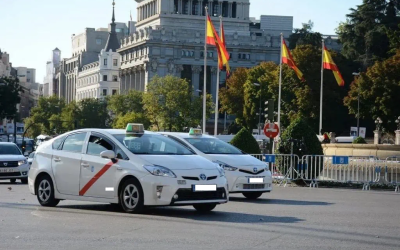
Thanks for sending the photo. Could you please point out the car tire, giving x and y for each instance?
(204, 208)
(24, 180)
(45, 192)
(13, 181)
(131, 197)
(252, 195)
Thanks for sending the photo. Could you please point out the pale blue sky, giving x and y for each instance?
(31, 29)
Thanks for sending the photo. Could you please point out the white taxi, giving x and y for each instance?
(245, 173)
(132, 167)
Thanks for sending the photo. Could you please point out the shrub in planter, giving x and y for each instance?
(245, 141)
(359, 140)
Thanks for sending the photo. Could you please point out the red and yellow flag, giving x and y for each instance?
(213, 39)
(221, 65)
(330, 64)
(287, 58)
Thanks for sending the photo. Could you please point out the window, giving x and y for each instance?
(105, 62)
(114, 92)
(99, 41)
(152, 144)
(115, 78)
(213, 146)
(74, 143)
(28, 72)
(97, 145)
(104, 92)
(115, 62)
(28, 80)
(105, 78)
(57, 142)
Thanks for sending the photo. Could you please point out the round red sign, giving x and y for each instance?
(271, 130)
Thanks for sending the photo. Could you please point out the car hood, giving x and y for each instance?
(236, 160)
(180, 162)
(12, 158)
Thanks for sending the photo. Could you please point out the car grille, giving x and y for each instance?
(251, 172)
(253, 186)
(186, 194)
(10, 164)
(197, 178)
(10, 174)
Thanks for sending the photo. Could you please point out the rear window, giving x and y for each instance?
(9, 149)
(57, 142)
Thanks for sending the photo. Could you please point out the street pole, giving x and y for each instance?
(280, 84)
(217, 88)
(205, 75)
(259, 117)
(322, 88)
(358, 114)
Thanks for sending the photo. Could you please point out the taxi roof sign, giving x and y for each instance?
(195, 131)
(136, 128)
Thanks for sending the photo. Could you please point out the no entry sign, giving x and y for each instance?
(271, 130)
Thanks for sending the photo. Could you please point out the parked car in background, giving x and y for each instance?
(13, 164)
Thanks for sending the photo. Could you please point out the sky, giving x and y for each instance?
(31, 29)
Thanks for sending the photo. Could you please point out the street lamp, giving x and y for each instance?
(378, 123)
(398, 123)
(356, 74)
(260, 113)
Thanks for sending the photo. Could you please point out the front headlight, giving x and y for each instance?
(160, 171)
(225, 166)
(22, 162)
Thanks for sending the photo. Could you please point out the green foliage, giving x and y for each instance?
(359, 140)
(122, 104)
(169, 103)
(93, 113)
(9, 96)
(132, 117)
(305, 36)
(365, 33)
(245, 141)
(379, 90)
(300, 130)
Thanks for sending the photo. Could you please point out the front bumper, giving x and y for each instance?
(19, 172)
(239, 182)
(185, 195)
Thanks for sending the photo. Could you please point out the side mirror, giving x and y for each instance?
(108, 154)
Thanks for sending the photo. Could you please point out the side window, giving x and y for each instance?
(120, 154)
(181, 142)
(74, 143)
(97, 144)
(57, 142)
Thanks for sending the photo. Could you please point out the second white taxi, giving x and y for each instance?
(245, 173)
(132, 167)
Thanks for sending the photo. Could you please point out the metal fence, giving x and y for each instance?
(364, 170)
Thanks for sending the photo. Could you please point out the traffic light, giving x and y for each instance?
(23, 146)
(269, 110)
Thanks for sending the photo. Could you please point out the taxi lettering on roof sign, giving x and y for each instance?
(136, 128)
(195, 131)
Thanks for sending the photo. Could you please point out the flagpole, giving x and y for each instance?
(217, 87)
(322, 88)
(280, 84)
(205, 74)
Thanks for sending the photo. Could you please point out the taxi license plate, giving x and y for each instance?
(256, 180)
(7, 170)
(198, 188)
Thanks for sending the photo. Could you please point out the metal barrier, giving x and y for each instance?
(364, 170)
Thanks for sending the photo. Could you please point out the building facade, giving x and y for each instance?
(50, 81)
(5, 65)
(169, 40)
(30, 94)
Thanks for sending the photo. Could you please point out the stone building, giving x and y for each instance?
(50, 81)
(5, 65)
(169, 39)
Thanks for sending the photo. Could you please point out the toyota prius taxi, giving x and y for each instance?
(133, 168)
(245, 174)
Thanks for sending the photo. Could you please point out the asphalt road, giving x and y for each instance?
(287, 218)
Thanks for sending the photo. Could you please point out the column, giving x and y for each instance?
(125, 76)
(137, 79)
(180, 5)
(230, 9)
(397, 137)
(156, 7)
(200, 3)
(130, 79)
(190, 2)
(137, 14)
(220, 8)
(196, 79)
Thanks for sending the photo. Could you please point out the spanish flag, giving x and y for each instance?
(330, 64)
(287, 58)
(222, 35)
(213, 39)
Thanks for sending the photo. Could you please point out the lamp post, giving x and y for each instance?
(260, 113)
(356, 74)
(378, 123)
(398, 123)
(200, 91)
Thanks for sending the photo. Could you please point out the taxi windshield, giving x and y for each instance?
(213, 146)
(152, 144)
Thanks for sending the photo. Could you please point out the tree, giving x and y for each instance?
(364, 35)
(378, 89)
(70, 116)
(169, 103)
(305, 36)
(93, 114)
(245, 141)
(122, 104)
(9, 96)
(131, 117)
(46, 109)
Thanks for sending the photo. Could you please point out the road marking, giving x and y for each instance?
(95, 178)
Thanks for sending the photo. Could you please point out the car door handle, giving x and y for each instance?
(85, 165)
(56, 159)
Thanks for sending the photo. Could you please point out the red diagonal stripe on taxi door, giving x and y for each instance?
(96, 177)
